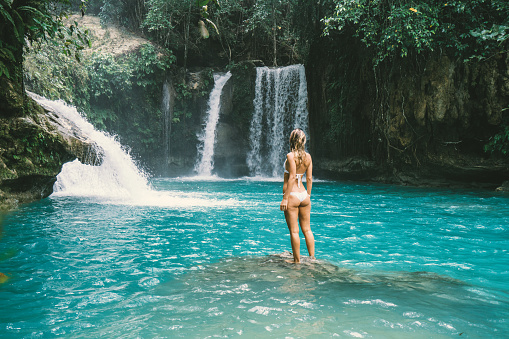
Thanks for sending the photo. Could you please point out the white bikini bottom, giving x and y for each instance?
(300, 195)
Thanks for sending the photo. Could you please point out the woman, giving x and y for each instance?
(296, 199)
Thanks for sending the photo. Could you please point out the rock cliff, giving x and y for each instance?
(412, 123)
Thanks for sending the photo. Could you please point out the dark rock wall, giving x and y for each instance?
(232, 132)
(232, 138)
(340, 90)
(407, 122)
(190, 92)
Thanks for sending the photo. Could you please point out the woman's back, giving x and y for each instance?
(302, 167)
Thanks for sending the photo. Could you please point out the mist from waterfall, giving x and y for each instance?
(207, 138)
(280, 105)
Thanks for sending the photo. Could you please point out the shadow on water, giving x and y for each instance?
(268, 295)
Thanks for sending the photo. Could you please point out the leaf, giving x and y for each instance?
(213, 24)
(6, 53)
(4, 70)
(201, 3)
(31, 10)
(9, 18)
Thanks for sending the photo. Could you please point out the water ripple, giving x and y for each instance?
(394, 262)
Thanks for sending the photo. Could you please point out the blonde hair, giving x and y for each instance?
(297, 142)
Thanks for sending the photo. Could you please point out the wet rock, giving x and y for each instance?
(3, 278)
(352, 168)
(11, 101)
(504, 187)
(230, 152)
(73, 139)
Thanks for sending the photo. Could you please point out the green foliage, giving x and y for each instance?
(120, 94)
(269, 26)
(400, 28)
(166, 20)
(125, 94)
(109, 79)
(499, 143)
(126, 13)
(148, 65)
(236, 30)
(40, 146)
(26, 22)
(261, 29)
(56, 75)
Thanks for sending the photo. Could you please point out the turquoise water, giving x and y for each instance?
(206, 259)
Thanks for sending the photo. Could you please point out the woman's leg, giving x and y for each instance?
(305, 225)
(292, 220)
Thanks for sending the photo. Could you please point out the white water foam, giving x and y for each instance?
(280, 105)
(207, 138)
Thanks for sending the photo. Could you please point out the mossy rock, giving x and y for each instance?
(242, 95)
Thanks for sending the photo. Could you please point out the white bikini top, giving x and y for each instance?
(298, 176)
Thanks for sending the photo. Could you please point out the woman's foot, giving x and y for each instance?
(292, 261)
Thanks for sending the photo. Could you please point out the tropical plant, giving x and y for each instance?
(22, 24)
(25, 22)
(392, 28)
(499, 143)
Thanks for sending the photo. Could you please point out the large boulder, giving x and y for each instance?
(33, 149)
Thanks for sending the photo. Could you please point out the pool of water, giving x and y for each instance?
(205, 258)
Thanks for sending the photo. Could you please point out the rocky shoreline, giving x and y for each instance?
(450, 173)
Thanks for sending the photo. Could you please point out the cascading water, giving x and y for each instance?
(167, 114)
(280, 105)
(117, 177)
(207, 138)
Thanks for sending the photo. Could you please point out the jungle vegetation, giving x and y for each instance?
(197, 33)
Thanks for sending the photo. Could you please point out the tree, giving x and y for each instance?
(392, 28)
(23, 23)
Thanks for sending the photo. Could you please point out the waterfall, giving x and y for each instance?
(167, 115)
(117, 177)
(280, 105)
(207, 138)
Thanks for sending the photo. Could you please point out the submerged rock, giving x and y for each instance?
(3, 278)
(33, 149)
(504, 187)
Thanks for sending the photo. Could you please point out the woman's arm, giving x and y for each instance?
(309, 176)
(291, 181)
